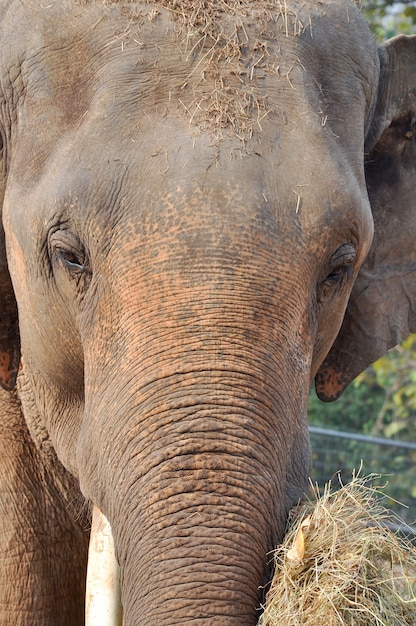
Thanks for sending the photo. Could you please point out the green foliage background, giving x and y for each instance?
(380, 402)
(389, 17)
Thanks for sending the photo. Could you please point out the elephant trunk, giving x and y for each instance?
(191, 445)
(197, 499)
(198, 551)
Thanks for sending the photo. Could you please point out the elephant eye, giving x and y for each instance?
(71, 260)
(336, 274)
(67, 250)
(341, 266)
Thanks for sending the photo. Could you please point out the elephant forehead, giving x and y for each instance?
(162, 182)
(225, 66)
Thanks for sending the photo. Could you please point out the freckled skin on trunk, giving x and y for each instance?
(192, 527)
(192, 477)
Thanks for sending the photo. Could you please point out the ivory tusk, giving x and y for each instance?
(102, 598)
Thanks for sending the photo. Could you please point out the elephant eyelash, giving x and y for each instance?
(337, 274)
(69, 252)
(342, 268)
(332, 283)
(73, 265)
(72, 261)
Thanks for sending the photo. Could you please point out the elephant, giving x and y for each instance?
(205, 208)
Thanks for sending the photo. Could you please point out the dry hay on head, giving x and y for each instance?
(236, 61)
(340, 564)
(231, 46)
(206, 15)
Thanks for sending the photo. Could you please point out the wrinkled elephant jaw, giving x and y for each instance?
(103, 604)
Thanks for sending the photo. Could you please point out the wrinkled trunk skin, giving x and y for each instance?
(195, 461)
(202, 509)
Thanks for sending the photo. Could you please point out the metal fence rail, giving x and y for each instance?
(339, 452)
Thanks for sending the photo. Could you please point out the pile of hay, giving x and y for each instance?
(340, 564)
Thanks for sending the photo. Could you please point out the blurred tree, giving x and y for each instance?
(390, 17)
(395, 375)
(380, 402)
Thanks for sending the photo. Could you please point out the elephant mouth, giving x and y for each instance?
(103, 597)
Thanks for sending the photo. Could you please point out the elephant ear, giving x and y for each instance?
(382, 308)
(9, 325)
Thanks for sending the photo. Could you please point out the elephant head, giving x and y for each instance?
(187, 204)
